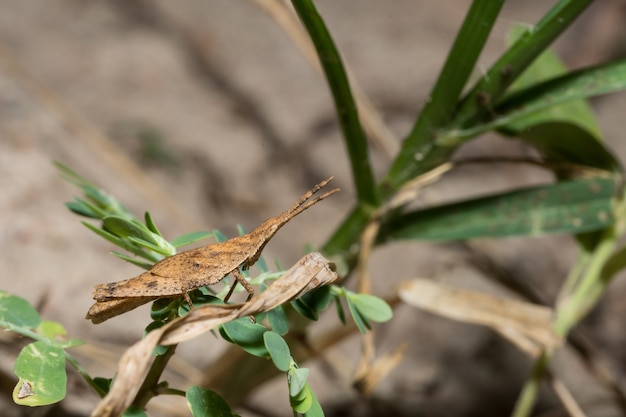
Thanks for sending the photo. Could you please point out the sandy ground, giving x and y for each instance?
(207, 115)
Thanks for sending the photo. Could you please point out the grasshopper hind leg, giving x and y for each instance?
(240, 279)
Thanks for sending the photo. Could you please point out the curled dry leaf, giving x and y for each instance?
(527, 325)
(310, 272)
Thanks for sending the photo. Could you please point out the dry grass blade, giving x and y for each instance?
(310, 272)
(371, 373)
(514, 319)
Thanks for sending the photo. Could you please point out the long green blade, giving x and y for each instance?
(516, 60)
(416, 154)
(567, 207)
(344, 102)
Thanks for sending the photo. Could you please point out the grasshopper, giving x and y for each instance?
(178, 274)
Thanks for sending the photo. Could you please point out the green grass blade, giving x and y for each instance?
(478, 103)
(547, 110)
(588, 82)
(347, 113)
(414, 156)
(571, 143)
(565, 207)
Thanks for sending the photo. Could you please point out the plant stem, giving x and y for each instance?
(149, 387)
(83, 372)
(526, 400)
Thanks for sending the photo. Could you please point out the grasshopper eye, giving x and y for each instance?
(196, 264)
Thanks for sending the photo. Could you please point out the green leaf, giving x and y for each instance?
(546, 109)
(165, 250)
(318, 299)
(190, 238)
(70, 175)
(278, 350)
(316, 408)
(297, 380)
(40, 368)
(163, 309)
(353, 134)
(102, 385)
(247, 335)
(219, 236)
(564, 207)
(134, 261)
(340, 312)
(123, 227)
(361, 322)
(206, 403)
(133, 411)
(123, 243)
(304, 310)
(150, 224)
(16, 311)
(278, 320)
(51, 329)
(81, 208)
(371, 307)
(310, 304)
(564, 141)
(563, 94)
(303, 400)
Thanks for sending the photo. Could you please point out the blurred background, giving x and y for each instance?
(206, 114)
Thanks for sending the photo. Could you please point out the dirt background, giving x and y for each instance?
(207, 115)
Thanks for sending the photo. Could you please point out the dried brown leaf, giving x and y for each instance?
(522, 323)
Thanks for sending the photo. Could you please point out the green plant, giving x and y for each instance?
(528, 95)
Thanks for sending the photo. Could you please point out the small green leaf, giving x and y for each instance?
(148, 245)
(340, 312)
(247, 335)
(302, 401)
(103, 385)
(316, 408)
(360, 321)
(278, 320)
(122, 227)
(297, 380)
(150, 224)
(278, 350)
(372, 307)
(190, 238)
(51, 329)
(304, 309)
(16, 311)
(219, 236)
(133, 411)
(134, 261)
(206, 403)
(123, 243)
(163, 309)
(315, 301)
(81, 208)
(40, 368)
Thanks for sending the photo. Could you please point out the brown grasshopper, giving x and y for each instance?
(178, 274)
